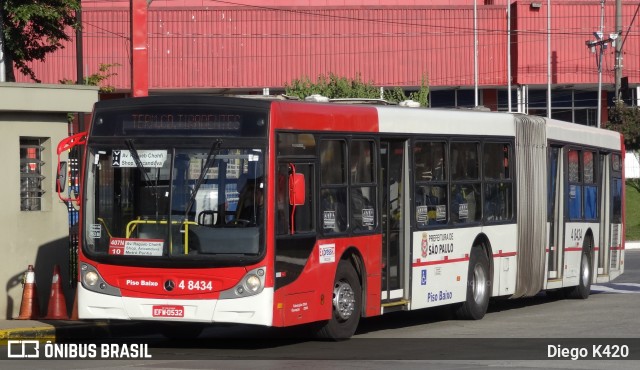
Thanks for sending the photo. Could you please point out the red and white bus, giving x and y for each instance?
(277, 213)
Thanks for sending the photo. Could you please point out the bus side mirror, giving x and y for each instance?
(297, 191)
(61, 177)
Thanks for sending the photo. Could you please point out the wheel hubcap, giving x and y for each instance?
(479, 284)
(344, 300)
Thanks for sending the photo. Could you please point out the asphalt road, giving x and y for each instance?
(524, 333)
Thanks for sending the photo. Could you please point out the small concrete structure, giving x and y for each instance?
(34, 225)
(631, 166)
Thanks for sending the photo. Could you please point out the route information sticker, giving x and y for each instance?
(136, 247)
(148, 158)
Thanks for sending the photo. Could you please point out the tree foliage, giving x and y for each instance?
(31, 29)
(335, 87)
(97, 79)
(626, 120)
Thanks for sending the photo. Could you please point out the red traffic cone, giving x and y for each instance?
(57, 309)
(29, 307)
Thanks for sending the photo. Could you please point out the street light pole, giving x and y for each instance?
(618, 65)
(599, 118)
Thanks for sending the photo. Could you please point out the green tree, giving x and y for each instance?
(97, 79)
(335, 87)
(626, 120)
(31, 29)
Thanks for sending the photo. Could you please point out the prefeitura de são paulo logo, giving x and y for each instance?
(425, 236)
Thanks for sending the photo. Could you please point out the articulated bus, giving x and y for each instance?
(203, 209)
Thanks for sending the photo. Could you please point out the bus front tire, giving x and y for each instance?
(346, 304)
(478, 287)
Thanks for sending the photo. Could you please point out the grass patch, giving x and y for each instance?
(632, 214)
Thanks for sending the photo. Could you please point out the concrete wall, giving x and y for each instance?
(38, 238)
(631, 166)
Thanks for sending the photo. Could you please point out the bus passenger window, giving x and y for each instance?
(498, 185)
(497, 202)
(590, 187)
(575, 185)
(303, 215)
(333, 186)
(363, 185)
(431, 205)
(362, 208)
(334, 210)
(429, 158)
(616, 189)
(465, 203)
(465, 192)
(431, 199)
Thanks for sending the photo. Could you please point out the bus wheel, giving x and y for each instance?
(478, 285)
(347, 304)
(583, 289)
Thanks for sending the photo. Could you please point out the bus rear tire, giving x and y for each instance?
(583, 289)
(346, 302)
(478, 287)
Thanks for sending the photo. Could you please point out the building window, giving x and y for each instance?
(31, 173)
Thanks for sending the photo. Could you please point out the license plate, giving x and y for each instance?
(167, 311)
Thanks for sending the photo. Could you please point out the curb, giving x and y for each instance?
(56, 331)
(632, 245)
(40, 333)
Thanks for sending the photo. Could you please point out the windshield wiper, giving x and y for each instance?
(140, 166)
(136, 159)
(211, 158)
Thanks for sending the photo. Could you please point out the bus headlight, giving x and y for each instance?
(253, 283)
(92, 281)
(91, 278)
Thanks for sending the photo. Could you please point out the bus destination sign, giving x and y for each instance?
(217, 122)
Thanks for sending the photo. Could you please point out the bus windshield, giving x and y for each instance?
(151, 201)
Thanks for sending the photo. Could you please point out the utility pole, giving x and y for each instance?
(3, 74)
(599, 118)
(79, 65)
(618, 44)
(600, 44)
(509, 55)
(548, 58)
(139, 49)
(475, 51)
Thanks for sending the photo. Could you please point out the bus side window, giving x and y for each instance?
(590, 186)
(333, 183)
(574, 195)
(362, 192)
(303, 216)
(431, 183)
(498, 198)
(465, 190)
(282, 199)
